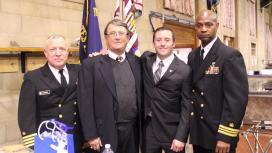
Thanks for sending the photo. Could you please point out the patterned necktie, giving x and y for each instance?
(63, 81)
(157, 74)
(119, 59)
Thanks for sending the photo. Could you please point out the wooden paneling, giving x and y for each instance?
(29, 49)
(185, 35)
(36, 60)
(14, 59)
(9, 63)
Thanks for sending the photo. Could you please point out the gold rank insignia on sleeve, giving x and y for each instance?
(228, 131)
(28, 140)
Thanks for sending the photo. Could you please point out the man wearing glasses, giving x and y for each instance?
(109, 94)
(50, 93)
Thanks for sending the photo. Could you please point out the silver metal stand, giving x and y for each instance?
(255, 130)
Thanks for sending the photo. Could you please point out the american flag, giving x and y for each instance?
(129, 9)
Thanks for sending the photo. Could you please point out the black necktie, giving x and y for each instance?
(119, 58)
(63, 81)
(157, 74)
(201, 55)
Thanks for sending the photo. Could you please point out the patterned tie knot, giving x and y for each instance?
(161, 64)
(119, 58)
(157, 74)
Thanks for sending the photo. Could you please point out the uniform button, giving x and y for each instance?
(59, 105)
(231, 125)
(192, 113)
(23, 133)
(75, 113)
(75, 103)
(202, 93)
(192, 102)
(193, 90)
(202, 105)
(75, 123)
(60, 115)
(201, 117)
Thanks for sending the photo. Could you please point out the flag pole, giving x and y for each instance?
(121, 9)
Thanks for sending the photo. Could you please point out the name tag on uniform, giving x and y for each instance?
(44, 92)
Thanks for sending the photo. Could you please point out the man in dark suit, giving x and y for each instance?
(166, 81)
(220, 90)
(109, 94)
(50, 93)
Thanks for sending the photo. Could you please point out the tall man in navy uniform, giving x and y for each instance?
(109, 94)
(50, 93)
(220, 90)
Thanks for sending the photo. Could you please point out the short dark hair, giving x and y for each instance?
(116, 22)
(167, 29)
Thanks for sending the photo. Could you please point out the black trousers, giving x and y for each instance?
(152, 144)
(128, 140)
(199, 149)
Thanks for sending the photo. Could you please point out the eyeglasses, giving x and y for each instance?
(114, 33)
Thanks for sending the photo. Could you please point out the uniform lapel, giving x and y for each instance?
(171, 69)
(50, 80)
(72, 80)
(107, 74)
(211, 57)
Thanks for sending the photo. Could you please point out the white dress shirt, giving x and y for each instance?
(166, 62)
(114, 55)
(57, 74)
(208, 47)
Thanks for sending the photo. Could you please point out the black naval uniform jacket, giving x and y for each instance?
(168, 100)
(219, 96)
(43, 98)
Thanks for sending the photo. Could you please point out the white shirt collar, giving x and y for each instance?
(113, 55)
(208, 47)
(57, 74)
(166, 62)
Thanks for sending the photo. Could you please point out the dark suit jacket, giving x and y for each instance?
(42, 98)
(98, 103)
(168, 100)
(219, 96)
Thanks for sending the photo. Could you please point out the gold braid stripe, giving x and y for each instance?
(228, 131)
(30, 145)
(29, 136)
(228, 128)
(29, 142)
(228, 134)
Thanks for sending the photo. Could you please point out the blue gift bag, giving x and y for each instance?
(54, 140)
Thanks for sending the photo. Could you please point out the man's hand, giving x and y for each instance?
(222, 147)
(95, 144)
(103, 51)
(177, 145)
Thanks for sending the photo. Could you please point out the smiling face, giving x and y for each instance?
(163, 43)
(116, 38)
(56, 52)
(206, 27)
